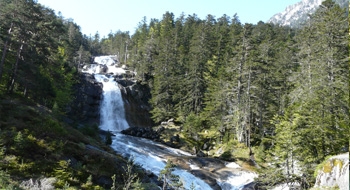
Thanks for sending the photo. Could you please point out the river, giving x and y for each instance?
(202, 173)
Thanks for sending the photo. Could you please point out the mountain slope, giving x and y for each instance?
(298, 13)
(35, 147)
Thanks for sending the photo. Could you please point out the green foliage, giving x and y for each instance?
(4, 179)
(89, 184)
(109, 138)
(227, 155)
(36, 142)
(169, 179)
(130, 176)
(192, 187)
(114, 182)
(20, 141)
(312, 127)
(193, 123)
(320, 167)
(63, 174)
(90, 130)
(283, 90)
(43, 63)
(137, 185)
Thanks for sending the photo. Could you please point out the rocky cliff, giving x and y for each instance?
(136, 97)
(295, 15)
(85, 107)
(334, 173)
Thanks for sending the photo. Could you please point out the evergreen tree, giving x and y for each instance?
(165, 67)
(320, 98)
(195, 83)
(40, 63)
(169, 179)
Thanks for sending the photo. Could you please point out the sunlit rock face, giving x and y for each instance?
(334, 173)
(295, 15)
(137, 109)
(135, 95)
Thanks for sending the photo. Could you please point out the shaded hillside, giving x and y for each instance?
(35, 145)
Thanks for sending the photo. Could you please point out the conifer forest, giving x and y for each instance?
(277, 96)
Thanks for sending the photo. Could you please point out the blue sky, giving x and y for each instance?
(107, 16)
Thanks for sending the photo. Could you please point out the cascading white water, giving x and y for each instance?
(112, 118)
(112, 106)
(150, 155)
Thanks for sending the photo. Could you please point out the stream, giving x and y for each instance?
(201, 173)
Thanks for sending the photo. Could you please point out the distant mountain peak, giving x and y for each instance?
(295, 14)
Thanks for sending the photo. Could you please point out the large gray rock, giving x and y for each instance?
(85, 107)
(334, 173)
(136, 97)
(144, 132)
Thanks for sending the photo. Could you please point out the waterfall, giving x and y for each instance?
(112, 106)
(150, 155)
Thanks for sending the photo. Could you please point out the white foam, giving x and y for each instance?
(237, 180)
(194, 167)
(112, 105)
(232, 165)
(104, 60)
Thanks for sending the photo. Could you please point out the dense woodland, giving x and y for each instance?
(281, 92)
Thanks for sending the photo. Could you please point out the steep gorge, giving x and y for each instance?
(152, 156)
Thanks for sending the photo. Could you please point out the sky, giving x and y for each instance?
(106, 16)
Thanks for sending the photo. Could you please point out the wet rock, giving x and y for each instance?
(136, 97)
(105, 181)
(207, 177)
(194, 150)
(143, 132)
(175, 139)
(203, 162)
(125, 83)
(205, 146)
(200, 153)
(85, 106)
(160, 129)
(250, 186)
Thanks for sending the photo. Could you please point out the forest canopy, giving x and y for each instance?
(282, 92)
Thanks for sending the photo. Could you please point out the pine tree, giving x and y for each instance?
(169, 179)
(320, 97)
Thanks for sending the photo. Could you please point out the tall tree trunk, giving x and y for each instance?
(5, 51)
(14, 72)
(239, 90)
(248, 108)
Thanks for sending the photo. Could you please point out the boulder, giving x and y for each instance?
(205, 146)
(200, 153)
(160, 129)
(143, 132)
(175, 139)
(334, 173)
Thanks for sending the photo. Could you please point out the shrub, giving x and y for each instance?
(227, 155)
